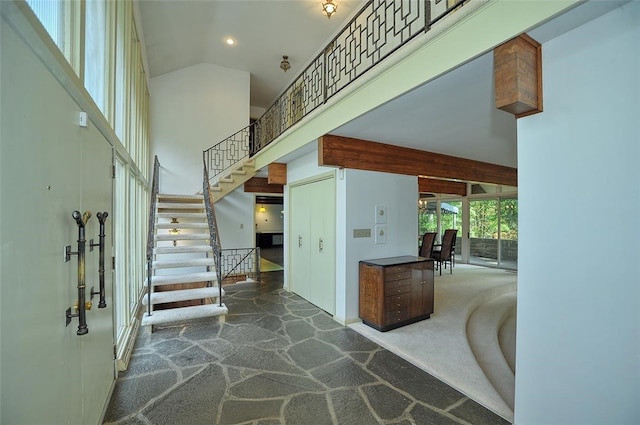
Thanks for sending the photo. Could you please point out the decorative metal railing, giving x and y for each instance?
(151, 228)
(214, 236)
(220, 159)
(244, 262)
(379, 29)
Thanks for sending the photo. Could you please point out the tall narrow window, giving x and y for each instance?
(483, 231)
(509, 233)
(120, 292)
(51, 15)
(96, 51)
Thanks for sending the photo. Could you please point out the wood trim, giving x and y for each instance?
(360, 154)
(261, 185)
(427, 185)
(277, 173)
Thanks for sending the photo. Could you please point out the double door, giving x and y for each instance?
(312, 242)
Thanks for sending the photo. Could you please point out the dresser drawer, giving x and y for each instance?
(397, 287)
(397, 301)
(397, 273)
(395, 316)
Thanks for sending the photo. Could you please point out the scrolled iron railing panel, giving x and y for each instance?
(377, 31)
(221, 158)
(214, 236)
(152, 224)
(241, 262)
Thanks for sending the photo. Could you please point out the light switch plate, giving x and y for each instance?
(381, 214)
(381, 234)
(82, 119)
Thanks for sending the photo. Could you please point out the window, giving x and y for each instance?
(51, 14)
(95, 53)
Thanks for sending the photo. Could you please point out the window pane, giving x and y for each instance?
(120, 226)
(95, 51)
(483, 232)
(509, 233)
(120, 66)
(51, 15)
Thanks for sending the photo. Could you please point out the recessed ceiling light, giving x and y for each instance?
(230, 41)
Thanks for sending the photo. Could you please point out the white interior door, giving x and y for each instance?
(312, 242)
(322, 225)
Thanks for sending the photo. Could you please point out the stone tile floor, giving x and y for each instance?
(278, 360)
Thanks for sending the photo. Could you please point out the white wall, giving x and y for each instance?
(271, 220)
(234, 215)
(578, 346)
(363, 191)
(191, 110)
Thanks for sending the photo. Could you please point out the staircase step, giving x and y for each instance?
(184, 278)
(179, 206)
(182, 237)
(216, 188)
(225, 180)
(189, 249)
(178, 214)
(199, 262)
(183, 295)
(185, 313)
(179, 198)
(182, 226)
(239, 172)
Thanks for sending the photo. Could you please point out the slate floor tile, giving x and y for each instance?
(278, 360)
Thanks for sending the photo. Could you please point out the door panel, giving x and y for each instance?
(312, 242)
(322, 270)
(299, 241)
(97, 346)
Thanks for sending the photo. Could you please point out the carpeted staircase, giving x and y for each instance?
(184, 284)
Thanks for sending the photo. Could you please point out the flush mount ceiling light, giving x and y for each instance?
(230, 41)
(284, 65)
(329, 8)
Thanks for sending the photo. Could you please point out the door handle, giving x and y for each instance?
(299, 241)
(320, 245)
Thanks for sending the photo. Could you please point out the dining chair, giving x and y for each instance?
(426, 248)
(445, 254)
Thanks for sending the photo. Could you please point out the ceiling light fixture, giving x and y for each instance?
(329, 8)
(284, 65)
(230, 41)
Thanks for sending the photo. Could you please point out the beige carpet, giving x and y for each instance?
(440, 345)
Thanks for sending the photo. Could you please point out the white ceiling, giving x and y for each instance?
(453, 115)
(181, 33)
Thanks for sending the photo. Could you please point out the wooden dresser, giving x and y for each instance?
(395, 291)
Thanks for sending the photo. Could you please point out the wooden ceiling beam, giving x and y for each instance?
(360, 154)
(427, 185)
(261, 185)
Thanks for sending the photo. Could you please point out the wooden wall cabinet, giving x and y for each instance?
(395, 291)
